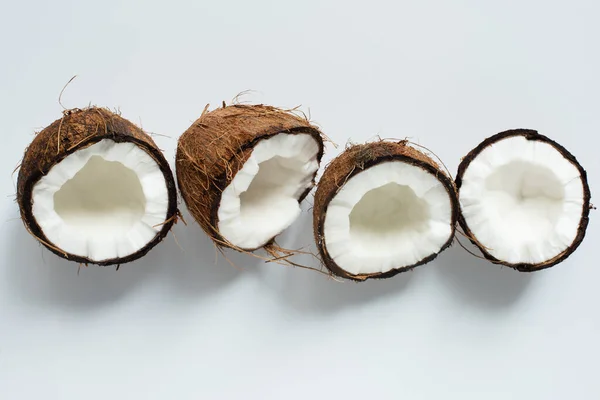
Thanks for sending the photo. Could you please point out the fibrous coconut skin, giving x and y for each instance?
(79, 129)
(216, 147)
(355, 160)
(584, 201)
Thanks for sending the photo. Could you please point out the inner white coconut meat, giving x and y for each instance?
(262, 199)
(103, 202)
(522, 200)
(389, 216)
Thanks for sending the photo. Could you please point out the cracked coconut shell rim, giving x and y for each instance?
(382, 208)
(524, 200)
(243, 170)
(95, 189)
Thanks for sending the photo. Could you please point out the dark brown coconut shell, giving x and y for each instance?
(78, 129)
(529, 135)
(215, 148)
(353, 161)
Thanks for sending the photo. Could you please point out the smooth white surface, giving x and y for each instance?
(371, 226)
(262, 199)
(174, 325)
(522, 200)
(105, 201)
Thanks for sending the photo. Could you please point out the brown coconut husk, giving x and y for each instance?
(76, 130)
(215, 148)
(529, 135)
(355, 159)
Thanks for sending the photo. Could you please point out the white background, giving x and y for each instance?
(175, 325)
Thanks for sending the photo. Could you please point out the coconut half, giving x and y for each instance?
(244, 169)
(524, 200)
(382, 208)
(94, 188)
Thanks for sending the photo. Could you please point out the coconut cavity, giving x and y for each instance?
(92, 199)
(384, 215)
(243, 171)
(106, 199)
(524, 200)
(382, 208)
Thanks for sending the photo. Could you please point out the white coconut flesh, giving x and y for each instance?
(262, 198)
(522, 200)
(389, 216)
(103, 202)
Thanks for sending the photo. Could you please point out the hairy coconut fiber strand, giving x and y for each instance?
(524, 200)
(382, 208)
(218, 145)
(86, 136)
